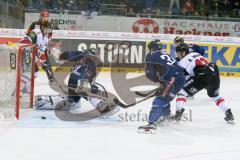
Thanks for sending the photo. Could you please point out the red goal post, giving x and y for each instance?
(17, 69)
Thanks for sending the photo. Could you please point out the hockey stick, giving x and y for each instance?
(50, 72)
(87, 92)
(158, 91)
(145, 94)
(119, 103)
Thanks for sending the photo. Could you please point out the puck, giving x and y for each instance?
(43, 117)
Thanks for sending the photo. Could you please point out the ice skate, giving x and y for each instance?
(229, 116)
(150, 128)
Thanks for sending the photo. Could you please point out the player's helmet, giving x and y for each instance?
(178, 39)
(92, 51)
(44, 13)
(182, 47)
(155, 45)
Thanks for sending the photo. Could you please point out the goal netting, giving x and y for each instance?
(17, 63)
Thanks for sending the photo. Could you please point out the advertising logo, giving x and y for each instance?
(145, 26)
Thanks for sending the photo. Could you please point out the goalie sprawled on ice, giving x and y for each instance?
(80, 85)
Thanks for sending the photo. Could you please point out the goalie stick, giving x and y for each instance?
(103, 95)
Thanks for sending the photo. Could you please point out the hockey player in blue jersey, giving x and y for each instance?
(192, 47)
(163, 69)
(82, 77)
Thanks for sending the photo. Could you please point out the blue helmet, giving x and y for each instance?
(155, 45)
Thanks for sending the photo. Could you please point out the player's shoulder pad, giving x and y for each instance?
(154, 56)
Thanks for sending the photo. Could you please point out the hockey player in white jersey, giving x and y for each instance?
(40, 37)
(202, 75)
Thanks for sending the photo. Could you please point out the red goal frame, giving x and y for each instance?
(18, 77)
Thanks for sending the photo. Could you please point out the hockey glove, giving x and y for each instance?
(48, 71)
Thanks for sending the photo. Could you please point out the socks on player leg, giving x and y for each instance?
(220, 102)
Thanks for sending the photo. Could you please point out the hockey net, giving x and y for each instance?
(17, 62)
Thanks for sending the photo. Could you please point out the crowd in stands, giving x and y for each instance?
(202, 8)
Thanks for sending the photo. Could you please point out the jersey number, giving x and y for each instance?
(169, 59)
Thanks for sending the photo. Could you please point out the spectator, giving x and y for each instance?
(49, 4)
(60, 6)
(94, 5)
(236, 4)
(202, 9)
(225, 8)
(237, 14)
(158, 12)
(149, 4)
(173, 11)
(214, 8)
(176, 2)
(82, 5)
(188, 8)
(40, 4)
(1, 26)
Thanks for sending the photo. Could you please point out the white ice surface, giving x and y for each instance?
(206, 137)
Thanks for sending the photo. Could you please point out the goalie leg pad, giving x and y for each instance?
(102, 106)
(49, 102)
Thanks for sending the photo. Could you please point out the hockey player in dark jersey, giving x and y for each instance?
(203, 75)
(82, 76)
(192, 47)
(163, 69)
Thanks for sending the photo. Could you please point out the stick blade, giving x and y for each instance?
(117, 102)
(141, 94)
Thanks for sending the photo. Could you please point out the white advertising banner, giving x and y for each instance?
(140, 25)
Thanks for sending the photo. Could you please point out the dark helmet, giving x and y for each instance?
(156, 45)
(182, 47)
(178, 39)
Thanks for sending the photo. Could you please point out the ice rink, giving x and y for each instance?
(203, 135)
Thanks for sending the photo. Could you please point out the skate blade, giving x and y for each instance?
(144, 131)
